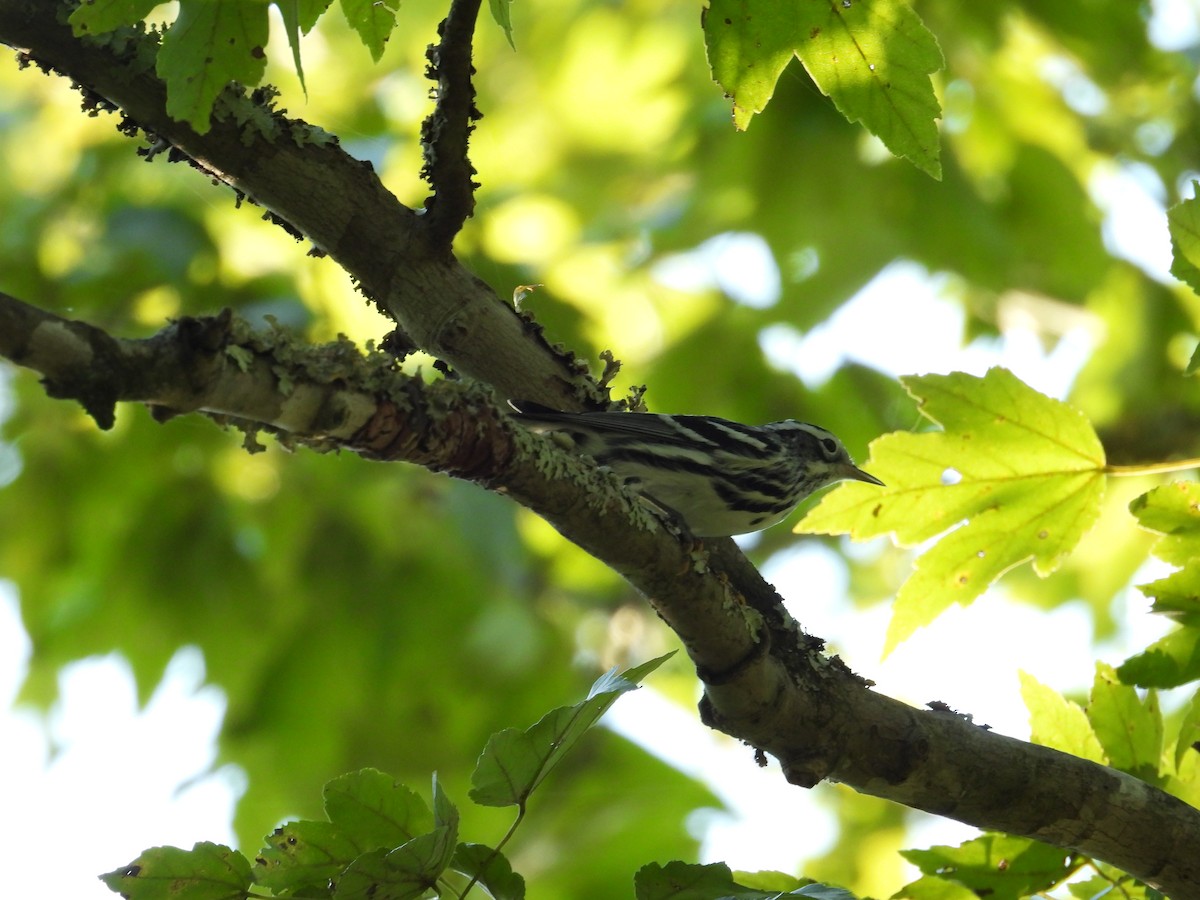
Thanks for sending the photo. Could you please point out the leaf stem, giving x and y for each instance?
(1175, 465)
(496, 850)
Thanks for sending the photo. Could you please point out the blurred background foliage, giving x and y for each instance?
(356, 614)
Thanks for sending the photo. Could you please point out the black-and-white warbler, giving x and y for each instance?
(719, 477)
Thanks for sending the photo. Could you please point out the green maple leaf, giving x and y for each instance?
(1014, 476)
(211, 43)
(373, 20)
(873, 58)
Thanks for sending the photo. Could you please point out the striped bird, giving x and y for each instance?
(717, 477)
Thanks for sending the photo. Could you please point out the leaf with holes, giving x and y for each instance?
(206, 872)
(1014, 476)
(211, 43)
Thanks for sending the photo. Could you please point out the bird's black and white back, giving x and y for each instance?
(720, 477)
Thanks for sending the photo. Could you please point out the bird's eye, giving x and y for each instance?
(830, 446)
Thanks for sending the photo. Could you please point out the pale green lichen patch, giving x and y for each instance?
(556, 461)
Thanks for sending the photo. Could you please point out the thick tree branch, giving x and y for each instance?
(445, 133)
(817, 718)
(773, 692)
(338, 202)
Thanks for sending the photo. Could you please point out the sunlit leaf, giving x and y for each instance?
(211, 43)
(206, 872)
(514, 762)
(872, 59)
(1015, 476)
(1055, 721)
(1129, 728)
(750, 42)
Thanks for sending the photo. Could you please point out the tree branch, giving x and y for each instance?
(308, 182)
(765, 682)
(809, 711)
(445, 133)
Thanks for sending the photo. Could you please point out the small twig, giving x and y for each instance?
(445, 133)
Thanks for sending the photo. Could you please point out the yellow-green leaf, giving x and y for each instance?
(1055, 721)
(1129, 727)
(1015, 476)
(749, 43)
(874, 59)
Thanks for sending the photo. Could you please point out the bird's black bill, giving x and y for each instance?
(854, 473)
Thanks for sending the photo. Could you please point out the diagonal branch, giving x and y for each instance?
(307, 182)
(807, 710)
(777, 693)
(445, 132)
